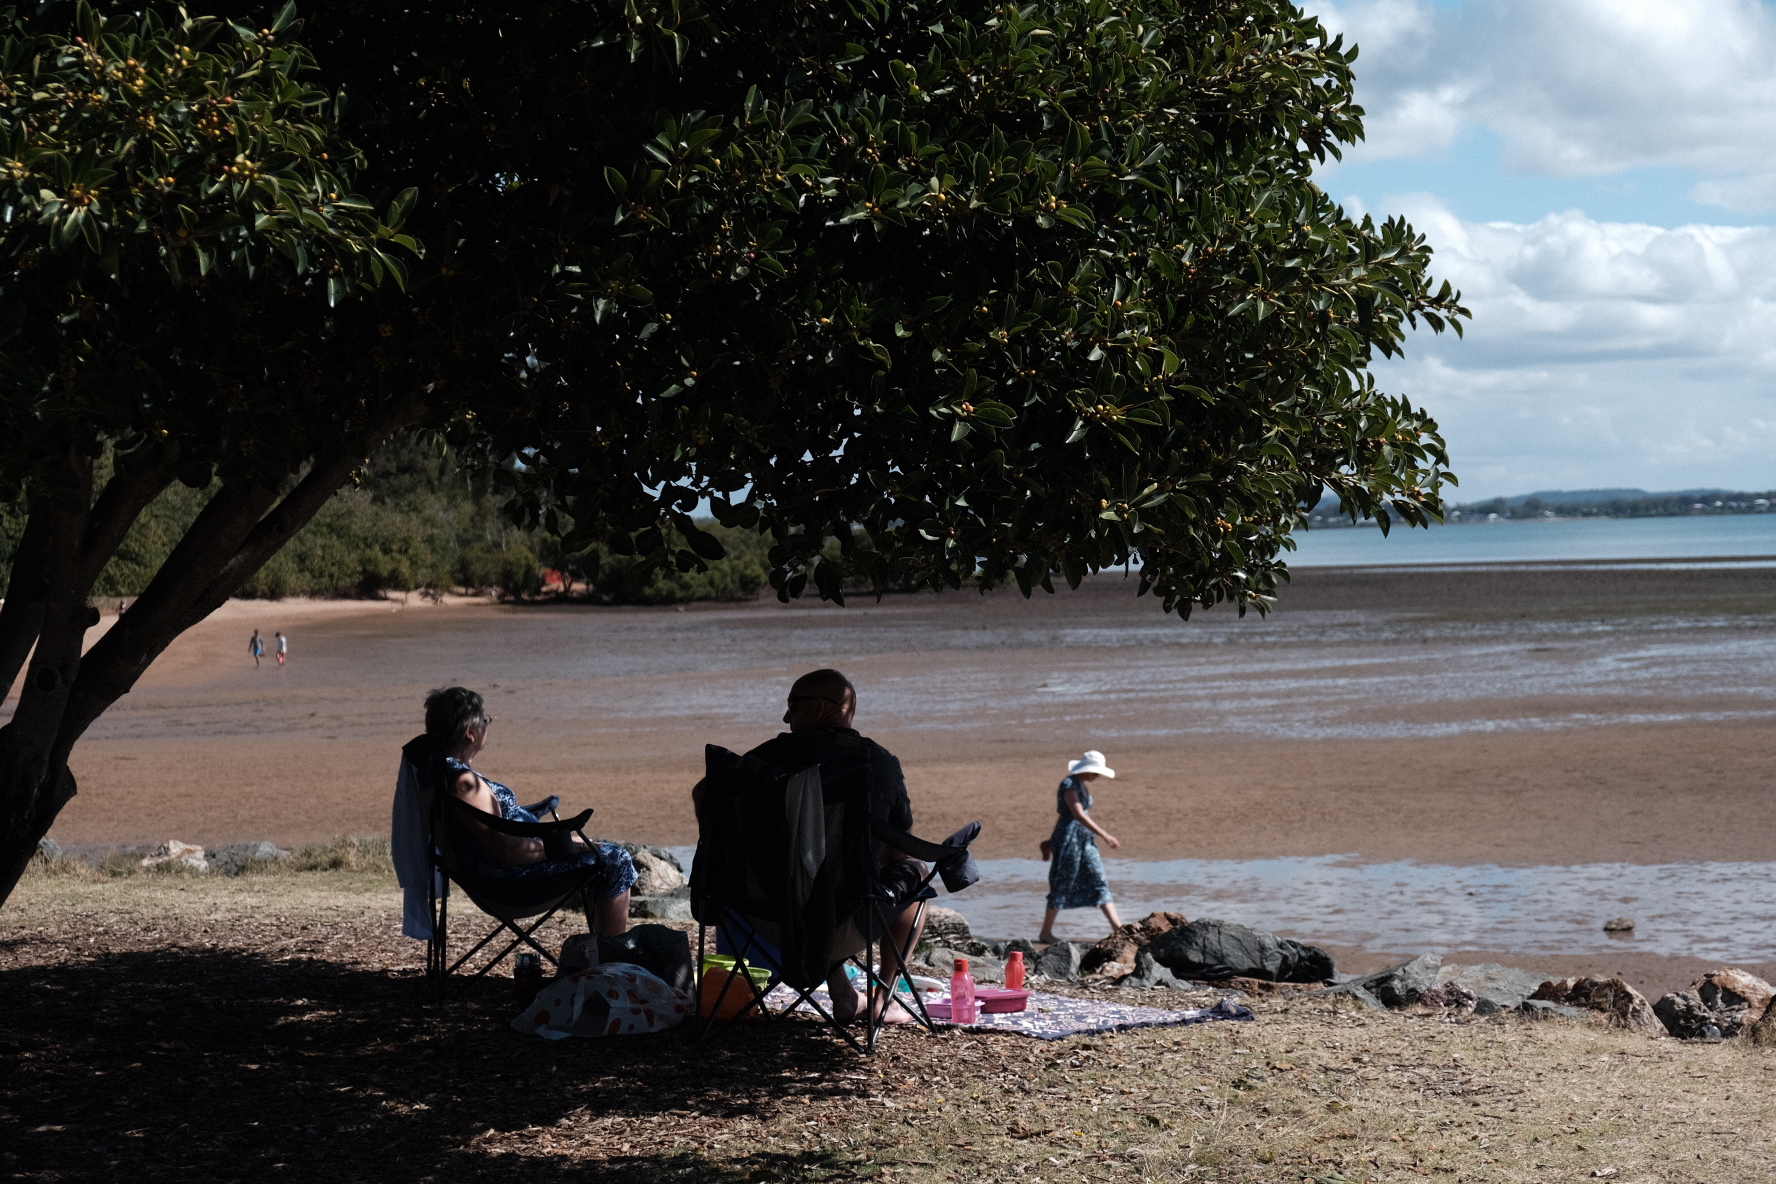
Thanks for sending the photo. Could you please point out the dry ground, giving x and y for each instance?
(274, 1027)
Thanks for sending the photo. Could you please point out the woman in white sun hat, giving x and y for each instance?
(1076, 875)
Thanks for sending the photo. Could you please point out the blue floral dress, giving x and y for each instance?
(616, 871)
(1076, 876)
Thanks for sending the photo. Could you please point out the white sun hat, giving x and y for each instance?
(1091, 762)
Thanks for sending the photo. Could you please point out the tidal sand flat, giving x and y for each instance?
(1537, 717)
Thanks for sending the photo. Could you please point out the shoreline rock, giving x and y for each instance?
(178, 854)
(1149, 973)
(658, 871)
(1542, 1009)
(1123, 945)
(1405, 984)
(1719, 1005)
(1059, 961)
(237, 858)
(1622, 1005)
(1495, 988)
(1211, 949)
(981, 968)
(665, 906)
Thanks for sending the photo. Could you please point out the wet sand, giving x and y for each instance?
(1548, 716)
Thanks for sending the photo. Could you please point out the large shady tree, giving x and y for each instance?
(932, 292)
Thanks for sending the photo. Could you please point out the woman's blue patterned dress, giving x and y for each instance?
(1076, 875)
(616, 871)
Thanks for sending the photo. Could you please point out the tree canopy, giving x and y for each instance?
(981, 291)
(1015, 291)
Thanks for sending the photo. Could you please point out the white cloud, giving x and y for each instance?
(1600, 353)
(1576, 87)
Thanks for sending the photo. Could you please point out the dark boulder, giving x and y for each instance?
(1210, 949)
(1620, 1004)
(1495, 988)
(946, 928)
(1122, 945)
(1403, 985)
(1060, 960)
(1150, 974)
(1356, 990)
(1722, 1003)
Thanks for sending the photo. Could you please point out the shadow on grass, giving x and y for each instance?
(203, 1065)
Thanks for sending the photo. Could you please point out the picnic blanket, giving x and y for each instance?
(1056, 1017)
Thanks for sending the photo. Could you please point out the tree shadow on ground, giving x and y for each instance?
(200, 1065)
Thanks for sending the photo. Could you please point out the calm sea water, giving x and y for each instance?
(1715, 910)
(1737, 535)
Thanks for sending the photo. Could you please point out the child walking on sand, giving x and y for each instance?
(283, 648)
(256, 647)
(1076, 877)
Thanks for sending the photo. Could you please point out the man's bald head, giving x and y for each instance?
(821, 699)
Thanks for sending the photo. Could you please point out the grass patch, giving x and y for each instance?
(368, 856)
(364, 855)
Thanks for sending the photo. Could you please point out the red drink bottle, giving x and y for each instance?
(962, 1006)
(1014, 970)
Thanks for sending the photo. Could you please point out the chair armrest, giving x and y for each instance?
(548, 805)
(950, 857)
(522, 830)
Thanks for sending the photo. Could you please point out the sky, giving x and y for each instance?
(1598, 177)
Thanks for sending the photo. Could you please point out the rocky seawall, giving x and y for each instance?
(1166, 950)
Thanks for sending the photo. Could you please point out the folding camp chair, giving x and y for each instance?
(510, 900)
(785, 866)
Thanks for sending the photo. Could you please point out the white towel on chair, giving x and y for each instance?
(413, 861)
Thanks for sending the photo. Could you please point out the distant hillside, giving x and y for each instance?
(1616, 503)
(1579, 497)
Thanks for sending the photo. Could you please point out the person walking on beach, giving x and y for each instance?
(256, 647)
(283, 648)
(1076, 875)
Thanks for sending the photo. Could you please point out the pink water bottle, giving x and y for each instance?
(1014, 970)
(962, 1004)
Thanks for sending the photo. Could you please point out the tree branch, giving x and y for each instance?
(162, 611)
(124, 498)
(219, 554)
(212, 540)
(274, 530)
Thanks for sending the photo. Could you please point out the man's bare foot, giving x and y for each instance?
(848, 1011)
(847, 1004)
(897, 1014)
(1045, 939)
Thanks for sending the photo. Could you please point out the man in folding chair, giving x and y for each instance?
(843, 766)
(822, 705)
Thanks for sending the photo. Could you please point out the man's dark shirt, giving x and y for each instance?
(841, 753)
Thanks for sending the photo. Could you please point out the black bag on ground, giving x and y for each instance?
(660, 950)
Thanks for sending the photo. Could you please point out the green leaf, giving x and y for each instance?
(403, 202)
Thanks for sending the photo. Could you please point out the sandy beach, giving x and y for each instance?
(1486, 716)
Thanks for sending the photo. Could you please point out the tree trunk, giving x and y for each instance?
(30, 797)
(64, 692)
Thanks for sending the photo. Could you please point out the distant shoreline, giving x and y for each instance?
(1339, 522)
(1670, 563)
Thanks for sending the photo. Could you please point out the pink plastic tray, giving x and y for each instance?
(993, 1001)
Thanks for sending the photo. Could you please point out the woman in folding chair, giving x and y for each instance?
(459, 713)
